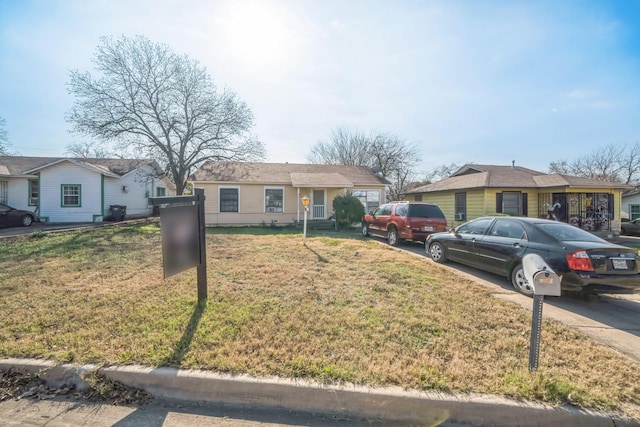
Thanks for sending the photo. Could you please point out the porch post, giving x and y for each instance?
(298, 206)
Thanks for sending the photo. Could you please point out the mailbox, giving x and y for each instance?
(542, 278)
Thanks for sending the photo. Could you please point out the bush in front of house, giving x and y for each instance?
(348, 210)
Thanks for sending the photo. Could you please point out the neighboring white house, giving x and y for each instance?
(631, 203)
(80, 190)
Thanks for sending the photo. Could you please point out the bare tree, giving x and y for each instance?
(393, 157)
(163, 105)
(92, 150)
(441, 172)
(4, 139)
(613, 163)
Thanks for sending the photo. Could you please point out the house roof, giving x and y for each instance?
(25, 166)
(495, 176)
(296, 174)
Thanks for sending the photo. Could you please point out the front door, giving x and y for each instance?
(318, 205)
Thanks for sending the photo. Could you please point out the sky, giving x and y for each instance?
(486, 82)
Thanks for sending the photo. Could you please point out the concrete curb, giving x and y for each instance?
(392, 405)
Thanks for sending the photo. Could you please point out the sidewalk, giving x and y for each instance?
(388, 406)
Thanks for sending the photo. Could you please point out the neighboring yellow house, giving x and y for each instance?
(238, 193)
(478, 190)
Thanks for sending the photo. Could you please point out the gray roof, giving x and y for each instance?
(298, 175)
(24, 166)
(494, 176)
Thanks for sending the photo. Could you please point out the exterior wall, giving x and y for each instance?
(18, 193)
(140, 185)
(251, 204)
(627, 203)
(51, 181)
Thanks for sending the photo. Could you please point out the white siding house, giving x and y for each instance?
(80, 190)
(631, 203)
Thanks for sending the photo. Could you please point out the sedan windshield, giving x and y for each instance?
(567, 232)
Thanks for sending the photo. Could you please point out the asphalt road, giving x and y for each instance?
(613, 320)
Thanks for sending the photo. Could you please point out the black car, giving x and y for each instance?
(497, 244)
(631, 227)
(10, 217)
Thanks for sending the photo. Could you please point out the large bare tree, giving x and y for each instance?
(386, 152)
(614, 163)
(163, 105)
(92, 150)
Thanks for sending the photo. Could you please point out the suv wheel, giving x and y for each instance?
(392, 236)
(365, 229)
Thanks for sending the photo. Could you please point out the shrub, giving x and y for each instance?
(348, 210)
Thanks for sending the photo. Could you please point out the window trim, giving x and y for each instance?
(62, 195)
(266, 208)
(460, 208)
(631, 213)
(228, 187)
(31, 201)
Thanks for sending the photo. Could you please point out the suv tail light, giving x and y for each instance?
(579, 260)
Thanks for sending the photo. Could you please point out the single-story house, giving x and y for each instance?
(62, 189)
(631, 203)
(477, 190)
(239, 193)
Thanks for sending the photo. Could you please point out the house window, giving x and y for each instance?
(511, 203)
(33, 192)
(70, 195)
(461, 206)
(418, 197)
(229, 200)
(4, 192)
(634, 212)
(370, 199)
(273, 200)
(161, 192)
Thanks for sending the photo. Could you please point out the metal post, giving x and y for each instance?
(304, 228)
(536, 326)
(202, 266)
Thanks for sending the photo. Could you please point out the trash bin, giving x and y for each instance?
(118, 212)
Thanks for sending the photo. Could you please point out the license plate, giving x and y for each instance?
(427, 228)
(619, 264)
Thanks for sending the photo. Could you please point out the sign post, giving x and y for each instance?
(305, 201)
(184, 242)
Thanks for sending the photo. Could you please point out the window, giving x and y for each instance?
(70, 195)
(273, 200)
(418, 197)
(33, 192)
(478, 226)
(161, 192)
(229, 200)
(509, 229)
(370, 199)
(460, 206)
(4, 192)
(511, 203)
(634, 212)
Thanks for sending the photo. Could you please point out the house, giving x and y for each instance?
(80, 190)
(270, 193)
(478, 190)
(631, 203)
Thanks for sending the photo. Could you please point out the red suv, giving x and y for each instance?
(404, 220)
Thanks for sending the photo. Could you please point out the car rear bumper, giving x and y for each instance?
(596, 283)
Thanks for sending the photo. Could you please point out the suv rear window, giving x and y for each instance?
(425, 211)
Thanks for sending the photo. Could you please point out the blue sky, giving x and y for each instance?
(465, 81)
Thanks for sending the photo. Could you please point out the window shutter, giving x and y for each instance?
(498, 202)
(525, 204)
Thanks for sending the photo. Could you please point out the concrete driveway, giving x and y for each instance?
(613, 320)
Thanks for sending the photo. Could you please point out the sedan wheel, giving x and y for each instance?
(519, 281)
(26, 220)
(436, 251)
(392, 236)
(365, 229)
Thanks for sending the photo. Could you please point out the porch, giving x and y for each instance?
(589, 211)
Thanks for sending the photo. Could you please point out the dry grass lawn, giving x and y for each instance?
(341, 310)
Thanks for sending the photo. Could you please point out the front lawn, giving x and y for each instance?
(340, 310)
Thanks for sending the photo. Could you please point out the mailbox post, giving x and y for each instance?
(544, 282)
(305, 201)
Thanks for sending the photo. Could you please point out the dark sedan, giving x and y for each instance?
(11, 217)
(497, 244)
(631, 227)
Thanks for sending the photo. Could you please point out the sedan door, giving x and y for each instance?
(505, 243)
(461, 247)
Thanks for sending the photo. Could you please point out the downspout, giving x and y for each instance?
(102, 196)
